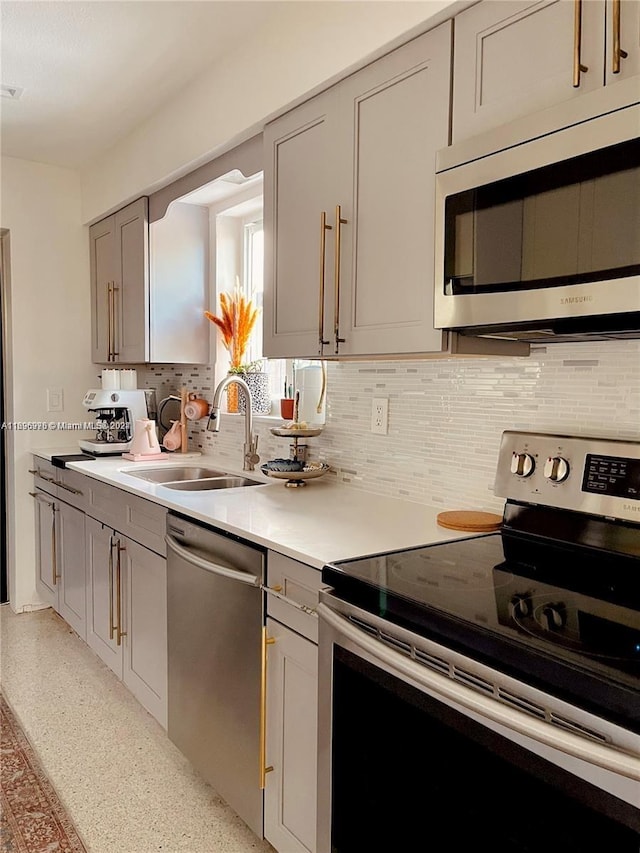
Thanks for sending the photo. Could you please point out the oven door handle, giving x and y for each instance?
(608, 757)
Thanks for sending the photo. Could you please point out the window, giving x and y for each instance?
(239, 258)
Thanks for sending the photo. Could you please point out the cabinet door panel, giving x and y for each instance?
(46, 549)
(71, 550)
(101, 594)
(145, 621)
(397, 117)
(102, 260)
(292, 691)
(516, 57)
(132, 298)
(298, 172)
(629, 42)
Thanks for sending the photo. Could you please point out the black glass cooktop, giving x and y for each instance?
(562, 616)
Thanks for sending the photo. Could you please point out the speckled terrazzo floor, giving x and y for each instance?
(124, 784)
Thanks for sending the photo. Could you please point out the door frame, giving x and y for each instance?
(7, 506)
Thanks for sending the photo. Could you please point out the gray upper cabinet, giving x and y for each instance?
(349, 203)
(300, 189)
(150, 286)
(119, 264)
(519, 58)
(179, 285)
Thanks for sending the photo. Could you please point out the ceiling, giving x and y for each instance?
(91, 71)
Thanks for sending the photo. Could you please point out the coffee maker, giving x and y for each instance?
(116, 413)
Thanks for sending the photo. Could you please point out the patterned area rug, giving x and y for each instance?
(33, 819)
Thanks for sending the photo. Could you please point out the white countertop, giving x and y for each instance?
(316, 524)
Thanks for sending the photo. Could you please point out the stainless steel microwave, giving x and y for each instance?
(541, 241)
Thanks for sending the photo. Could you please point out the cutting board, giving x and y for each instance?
(470, 521)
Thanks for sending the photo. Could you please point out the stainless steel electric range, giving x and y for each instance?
(488, 689)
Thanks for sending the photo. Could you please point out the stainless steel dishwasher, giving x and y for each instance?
(215, 646)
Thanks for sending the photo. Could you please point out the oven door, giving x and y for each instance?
(416, 739)
(546, 230)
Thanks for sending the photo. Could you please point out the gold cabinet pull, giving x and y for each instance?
(578, 67)
(40, 497)
(336, 315)
(54, 546)
(38, 473)
(112, 627)
(109, 344)
(323, 247)
(119, 632)
(69, 489)
(618, 52)
(114, 314)
(266, 641)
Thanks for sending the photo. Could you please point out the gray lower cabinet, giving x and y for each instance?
(349, 207)
(60, 561)
(127, 613)
(292, 699)
(292, 690)
(73, 587)
(47, 572)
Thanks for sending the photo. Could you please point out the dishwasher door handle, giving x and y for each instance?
(208, 566)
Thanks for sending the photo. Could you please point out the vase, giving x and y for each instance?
(233, 393)
(260, 396)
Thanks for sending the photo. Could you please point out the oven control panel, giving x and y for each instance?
(594, 475)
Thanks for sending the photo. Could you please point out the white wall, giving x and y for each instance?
(50, 325)
(309, 43)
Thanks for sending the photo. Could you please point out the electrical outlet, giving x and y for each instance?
(380, 415)
(55, 400)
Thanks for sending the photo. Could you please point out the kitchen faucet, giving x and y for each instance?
(250, 440)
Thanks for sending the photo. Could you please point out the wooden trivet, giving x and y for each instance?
(470, 520)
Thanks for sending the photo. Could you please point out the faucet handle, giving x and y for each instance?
(252, 458)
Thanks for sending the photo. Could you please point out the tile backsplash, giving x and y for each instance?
(446, 417)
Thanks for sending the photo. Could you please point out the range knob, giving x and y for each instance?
(520, 605)
(556, 469)
(553, 617)
(523, 464)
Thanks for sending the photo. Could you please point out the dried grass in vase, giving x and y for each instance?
(236, 321)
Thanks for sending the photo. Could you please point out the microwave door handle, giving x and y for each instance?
(209, 566)
(584, 748)
(578, 67)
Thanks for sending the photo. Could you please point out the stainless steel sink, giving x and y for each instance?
(175, 474)
(212, 483)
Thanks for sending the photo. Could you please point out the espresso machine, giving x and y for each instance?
(115, 415)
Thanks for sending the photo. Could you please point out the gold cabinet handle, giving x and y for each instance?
(69, 489)
(40, 497)
(109, 344)
(114, 314)
(112, 627)
(578, 67)
(119, 632)
(54, 546)
(618, 52)
(336, 315)
(266, 641)
(323, 247)
(38, 473)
